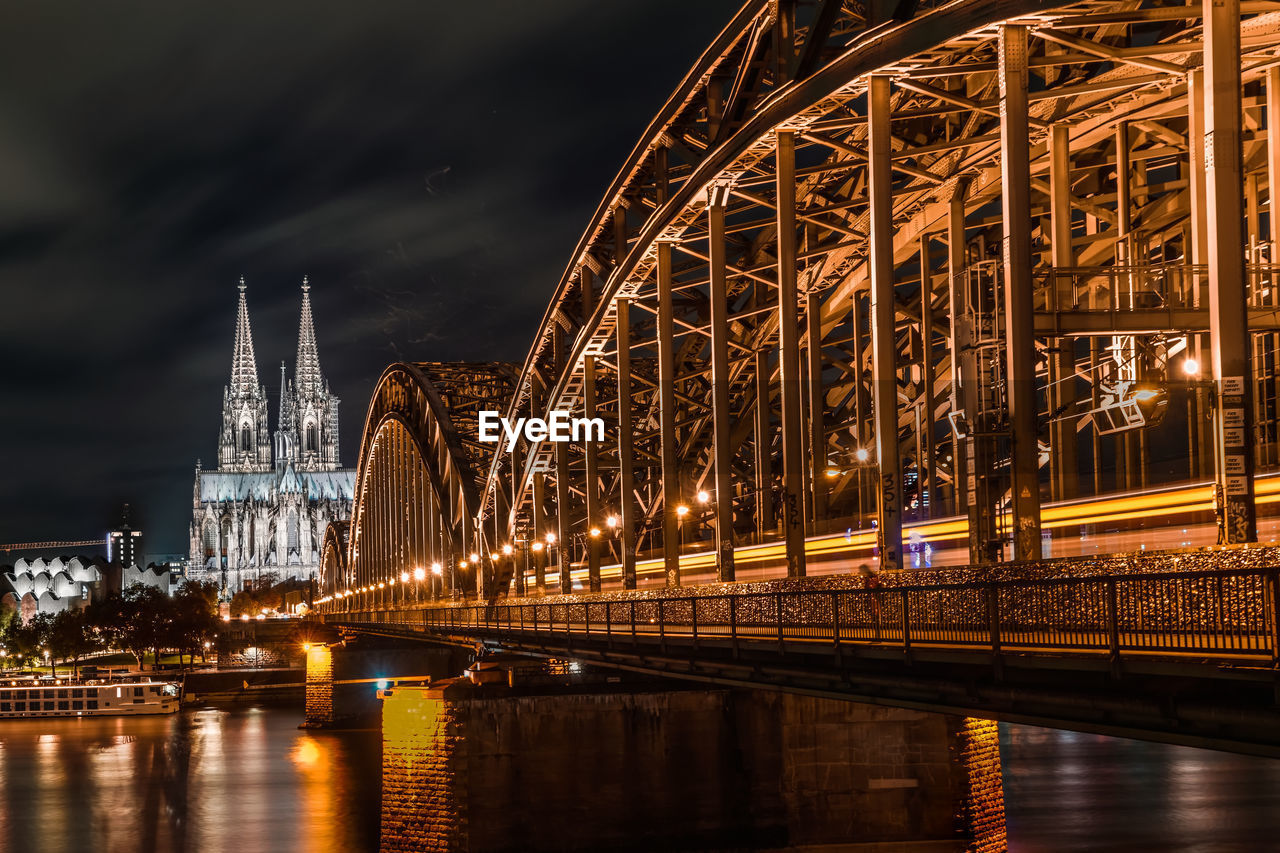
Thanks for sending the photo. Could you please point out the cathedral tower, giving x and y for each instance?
(312, 416)
(245, 441)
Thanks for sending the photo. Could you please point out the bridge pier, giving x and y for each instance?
(638, 768)
(342, 679)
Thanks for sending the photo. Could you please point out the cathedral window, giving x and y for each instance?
(293, 530)
(210, 539)
(312, 437)
(246, 438)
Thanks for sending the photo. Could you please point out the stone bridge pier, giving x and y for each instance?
(344, 676)
(643, 766)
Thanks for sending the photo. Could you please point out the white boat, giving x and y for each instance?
(64, 698)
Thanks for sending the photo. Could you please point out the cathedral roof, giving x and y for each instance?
(261, 486)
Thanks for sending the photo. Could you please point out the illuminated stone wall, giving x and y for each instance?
(469, 768)
(423, 793)
(978, 743)
(319, 699)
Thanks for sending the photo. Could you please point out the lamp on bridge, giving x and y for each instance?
(437, 571)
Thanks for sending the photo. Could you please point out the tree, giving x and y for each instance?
(195, 617)
(138, 620)
(73, 635)
(39, 630)
(22, 640)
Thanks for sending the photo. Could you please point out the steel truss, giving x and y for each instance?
(895, 267)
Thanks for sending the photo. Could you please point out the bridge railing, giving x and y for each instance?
(1229, 615)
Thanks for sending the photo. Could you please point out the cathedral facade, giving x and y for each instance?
(264, 510)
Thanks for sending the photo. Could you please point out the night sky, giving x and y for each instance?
(429, 165)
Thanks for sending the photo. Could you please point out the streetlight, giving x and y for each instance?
(611, 522)
(704, 496)
(1190, 367)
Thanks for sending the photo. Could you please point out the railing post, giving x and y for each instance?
(906, 623)
(835, 624)
(694, 604)
(733, 623)
(779, 611)
(993, 620)
(662, 628)
(1113, 626)
(1273, 583)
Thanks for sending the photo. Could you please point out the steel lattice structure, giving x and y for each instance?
(900, 261)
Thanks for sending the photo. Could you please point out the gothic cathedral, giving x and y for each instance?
(265, 509)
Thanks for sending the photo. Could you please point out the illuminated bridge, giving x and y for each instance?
(906, 285)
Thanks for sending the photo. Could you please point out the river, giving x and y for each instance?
(248, 780)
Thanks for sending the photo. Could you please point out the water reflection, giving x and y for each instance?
(210, 780)
(1066, 791)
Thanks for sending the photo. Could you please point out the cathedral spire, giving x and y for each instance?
(284, 394)
(244, 369)
(244, 443)
(308, 378)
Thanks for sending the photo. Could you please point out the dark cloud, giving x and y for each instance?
(430, 165)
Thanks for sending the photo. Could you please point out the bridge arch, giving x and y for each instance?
(418, 481)
(333, 558)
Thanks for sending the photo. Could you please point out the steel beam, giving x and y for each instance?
(817, 429)
(539, 533)
(1273, 160)
(926, 461)
(1233, 417)
(764, 446)
(667, 419)
(1128, 456)
(884, 347)
(564, 530)
(861, 406)
(591, 488)
(1020, 351)
(721, 416)
(793, 510)
(626, 455)
(1063, 459)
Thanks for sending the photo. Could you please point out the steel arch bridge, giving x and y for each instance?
(875, 262)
